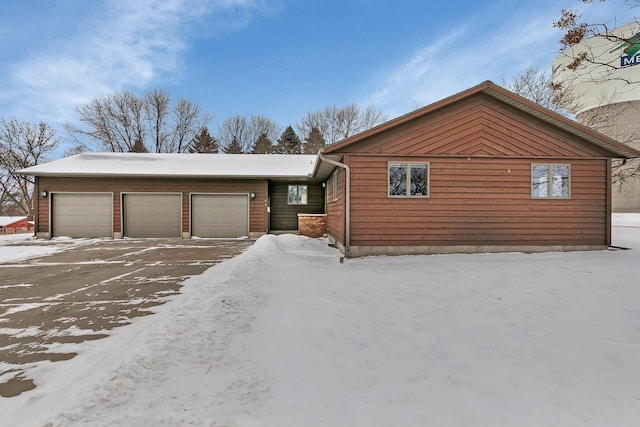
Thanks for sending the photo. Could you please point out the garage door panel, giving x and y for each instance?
(82, 214)
(152, 215)
(219, 215)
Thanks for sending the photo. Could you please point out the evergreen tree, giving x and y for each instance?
(314, 141)
(138, 147)
(233, 148)
(203, 143)
(289, 143)
(263, 145)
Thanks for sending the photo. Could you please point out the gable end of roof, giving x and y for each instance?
(615, 148)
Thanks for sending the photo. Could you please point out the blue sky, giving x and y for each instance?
(279, 58)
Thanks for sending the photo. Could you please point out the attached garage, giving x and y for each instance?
(219, 215)
(152, 215)
(82, 214)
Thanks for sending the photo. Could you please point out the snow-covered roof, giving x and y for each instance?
(8, 220)
(179, 165)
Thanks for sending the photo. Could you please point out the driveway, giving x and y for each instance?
(86, 290)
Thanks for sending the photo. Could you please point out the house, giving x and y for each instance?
(15, 224)
(483, 170)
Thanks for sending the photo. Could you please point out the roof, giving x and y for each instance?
(617, 149)
(8, 220)
(178, 165)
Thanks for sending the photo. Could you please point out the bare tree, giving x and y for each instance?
(537, 86)
(336, 123)
(371, 117)
(156, 110)
(22, 145)
(77, 149)
(246, 131)
(188, 123)
(260, 125)
(115, 122)
(232, 131)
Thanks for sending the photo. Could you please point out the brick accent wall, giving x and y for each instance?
(312, 225)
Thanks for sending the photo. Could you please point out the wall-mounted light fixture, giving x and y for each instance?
(44, 194)
(252, 195)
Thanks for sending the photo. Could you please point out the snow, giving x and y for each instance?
(286, 335)
(23, 246)
(625, 220)
(179, 165)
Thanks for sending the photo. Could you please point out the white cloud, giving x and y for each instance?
(466, 56)
(126, 43)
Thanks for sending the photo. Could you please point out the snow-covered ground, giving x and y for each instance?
(17, 253)
(286, 335)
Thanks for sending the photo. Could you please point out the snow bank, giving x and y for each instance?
(625, 219)
(285, 335)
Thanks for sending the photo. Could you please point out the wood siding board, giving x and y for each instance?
(441, 130)
(463, 143)
(117, 212)
(509, 130)
(428, 128)
(36, 198)
(523, 131)
(442, 140)
(496, 142)
(511, 124)
(539, 131)
(435, 138)
(487, 205)
(284, 216)
(608, 204)
(336, 209)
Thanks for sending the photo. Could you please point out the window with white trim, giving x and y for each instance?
(334, 186)
(408, 179)
(550, 181)
(297, 195)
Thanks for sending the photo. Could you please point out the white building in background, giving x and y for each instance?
(606, 96)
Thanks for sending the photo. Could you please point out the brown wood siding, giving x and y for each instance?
(257, 206)
(336, 209)
(285, 216)
(477, 201)
(478, 126)
(36, 200)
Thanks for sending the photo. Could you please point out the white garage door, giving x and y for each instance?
(82, 214)
(152, 215)
(219, 215)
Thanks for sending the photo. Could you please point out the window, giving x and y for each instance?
(550, 181)
(335, 185)
(297, 195)
(408, 180)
